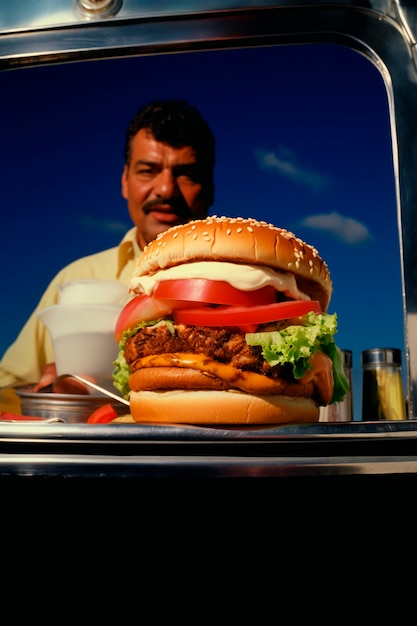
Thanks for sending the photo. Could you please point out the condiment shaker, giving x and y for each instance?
(341, 411)
(382, 388)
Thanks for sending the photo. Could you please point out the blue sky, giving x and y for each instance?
(303, 141)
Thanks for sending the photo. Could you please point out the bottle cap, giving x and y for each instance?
(347, 358)
(391, 356)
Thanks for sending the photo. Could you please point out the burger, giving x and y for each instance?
(227, 323)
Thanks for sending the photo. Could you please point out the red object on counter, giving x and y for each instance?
(102, 415)
(13, 417)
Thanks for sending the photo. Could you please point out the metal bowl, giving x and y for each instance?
(70, 407)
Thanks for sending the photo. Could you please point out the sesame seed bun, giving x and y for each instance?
(240, 240)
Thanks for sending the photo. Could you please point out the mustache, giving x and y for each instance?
(178, 206)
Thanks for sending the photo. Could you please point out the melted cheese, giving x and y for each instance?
(320, 374)
(247, 381)
(244, 277)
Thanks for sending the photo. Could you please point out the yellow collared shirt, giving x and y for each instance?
(25, 359)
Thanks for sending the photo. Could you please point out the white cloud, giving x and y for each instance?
(284, 162)
(109, 226)
(346, 229)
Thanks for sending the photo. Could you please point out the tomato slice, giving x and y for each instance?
(213, 292)
(4, 415)
(144, 309)
(102, 415)
(140, 309)
(244, 316)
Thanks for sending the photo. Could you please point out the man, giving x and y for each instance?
(167, 180)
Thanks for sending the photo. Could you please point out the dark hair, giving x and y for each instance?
(179, 124)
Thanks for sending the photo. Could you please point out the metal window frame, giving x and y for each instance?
(382, 30)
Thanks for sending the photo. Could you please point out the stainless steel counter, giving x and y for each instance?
(153, 451)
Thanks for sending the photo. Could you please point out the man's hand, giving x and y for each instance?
(47, 377)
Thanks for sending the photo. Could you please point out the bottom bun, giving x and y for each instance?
(220, 407)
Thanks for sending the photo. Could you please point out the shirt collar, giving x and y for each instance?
(128, 250)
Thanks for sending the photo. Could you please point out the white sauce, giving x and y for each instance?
(244, 277)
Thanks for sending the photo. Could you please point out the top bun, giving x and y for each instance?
(240, 240)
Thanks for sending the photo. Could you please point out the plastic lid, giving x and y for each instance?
(390, 356)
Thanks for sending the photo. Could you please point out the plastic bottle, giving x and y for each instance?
(382, 388)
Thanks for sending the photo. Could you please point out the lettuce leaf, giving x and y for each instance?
(296, 344)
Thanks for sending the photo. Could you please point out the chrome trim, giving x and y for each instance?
(143, 466)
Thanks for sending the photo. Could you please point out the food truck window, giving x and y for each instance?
(303, 141)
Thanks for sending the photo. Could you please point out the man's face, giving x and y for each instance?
(162, 186)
